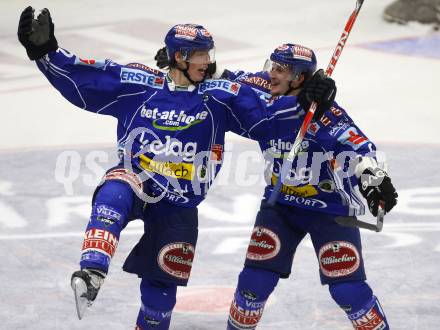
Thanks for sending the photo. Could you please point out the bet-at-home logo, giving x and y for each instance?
(279, 146)
(171, 120)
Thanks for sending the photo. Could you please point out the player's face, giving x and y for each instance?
(198, 64)
(280, 79)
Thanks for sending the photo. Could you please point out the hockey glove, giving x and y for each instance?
(375, 185)
(319, 89)
(36, 35)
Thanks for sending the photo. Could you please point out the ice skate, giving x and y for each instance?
(85, 284)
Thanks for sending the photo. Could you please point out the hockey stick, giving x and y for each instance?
(354, 222)
(308, 118)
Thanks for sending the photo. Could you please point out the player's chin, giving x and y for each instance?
(276, 90)
(199, 75)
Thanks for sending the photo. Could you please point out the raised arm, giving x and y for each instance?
(91, 85)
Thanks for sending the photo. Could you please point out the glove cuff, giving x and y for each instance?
(37, 52)
(363, 164)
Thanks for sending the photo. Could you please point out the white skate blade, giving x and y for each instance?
(80, 290)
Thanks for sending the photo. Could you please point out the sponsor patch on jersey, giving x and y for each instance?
(325, 120)
(144, 67)
(106, 214)
(313, 129)
(172, 120)
(371, 320)
(340, 126)
(216, 152)
(302, 191)
(100, 240)
(327, 186)
(261, 84)
(220, 84)
(184, 171)
(336, 111)
(338, 258)
(303, 201)
(264, 244)
(352, 138)
(176, 259)
(280, 145)
(176, 198)
(94, 63)
(107, 211)
(135, 76)
(171, 150)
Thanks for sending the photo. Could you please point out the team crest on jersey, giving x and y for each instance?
(135, 76)
(220, 84)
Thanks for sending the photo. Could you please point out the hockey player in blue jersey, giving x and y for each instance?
(322, 186)
(171, 129)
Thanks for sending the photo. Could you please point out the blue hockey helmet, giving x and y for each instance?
(187, 38)
(297, 58)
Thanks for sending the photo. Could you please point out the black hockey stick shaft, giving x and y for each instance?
(354, 222)
(287, 164)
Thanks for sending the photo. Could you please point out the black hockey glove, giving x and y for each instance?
(320, 89)
(375, 185)
(36, 35)
(161, 58)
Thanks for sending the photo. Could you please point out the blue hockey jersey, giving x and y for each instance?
(173, 133)
(322, 177)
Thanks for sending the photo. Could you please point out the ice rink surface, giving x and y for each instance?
(386, 79)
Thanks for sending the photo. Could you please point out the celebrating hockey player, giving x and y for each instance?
(321, 187)
(171, 128)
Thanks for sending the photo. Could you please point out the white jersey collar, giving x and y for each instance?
(178, 88)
